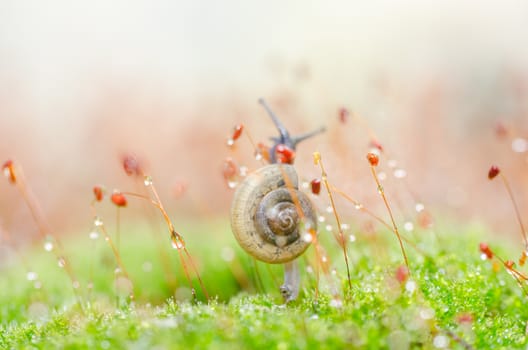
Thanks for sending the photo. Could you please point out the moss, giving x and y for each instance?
(456, 296)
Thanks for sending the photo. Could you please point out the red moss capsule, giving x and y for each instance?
(464, 318)
(9, 171)
(493, 172)
(373, 159)
(485, 249)
(284, 154)
(509, 264)
(237, 131)
(500, 130)
(98, 192)
(263, 151)
(179, 188)
(402, 274)
(343, 115)
(119, 199)
(316, 186)
(425, 219)
(131, 165)
(376, 144)
(522, 259)
(229, 169)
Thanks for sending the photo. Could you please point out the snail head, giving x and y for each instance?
(284, 137)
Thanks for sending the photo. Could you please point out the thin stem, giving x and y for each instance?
(518, 215)
(114, 249)
(258, 281)
(273, 278)
(118, 229)
(45, 230)
(117, 256)
(193, 266)
(338, 221)
(382, 193)
(176, 239)
(170, 277)
(519, 277)
(182, 260)
(375, 217)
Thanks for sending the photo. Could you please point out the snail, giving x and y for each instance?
(270, 216)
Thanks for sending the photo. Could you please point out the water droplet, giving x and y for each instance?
(227, 254)
(7, 172)
(146, 266)
(309, 269)
(243, 170)
(358, 206)
(408, 226)
(324, 258)
(427, 313)
(37, 284)
(305, 185)
(382, 176)
(519, 145)
(334, 272)
(391, 163)
(419, 207)
(258, 156)
(94, 235)
(307, 237)
(329, 228)
(76, 284)
(48, 246)
(61, 262)
(352, 238)
(230, 142)
(398, 340)
(345, 227)
(117, 270)
(321, 218)
(376, 151)
(440, 341)
(98, 222)
(400, 173)
(305, 224)
(147, 180)
(107, 238)
(232, 184)
(329, 209)
(38, 311)
(336, 303)
(90, 285)
(31, 276)
(410, 286)
(177, 244)
(483, 256)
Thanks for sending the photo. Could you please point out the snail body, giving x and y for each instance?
(269, 215)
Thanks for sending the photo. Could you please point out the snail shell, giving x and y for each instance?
(266, 220)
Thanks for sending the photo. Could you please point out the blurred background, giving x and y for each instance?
(442, 86)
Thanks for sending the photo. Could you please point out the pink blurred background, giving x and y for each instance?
(81, 84)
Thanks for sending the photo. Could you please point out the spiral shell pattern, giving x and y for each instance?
(269, 215)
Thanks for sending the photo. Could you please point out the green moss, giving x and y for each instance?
(245, 310)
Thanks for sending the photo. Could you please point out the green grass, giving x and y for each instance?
(246, 311)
